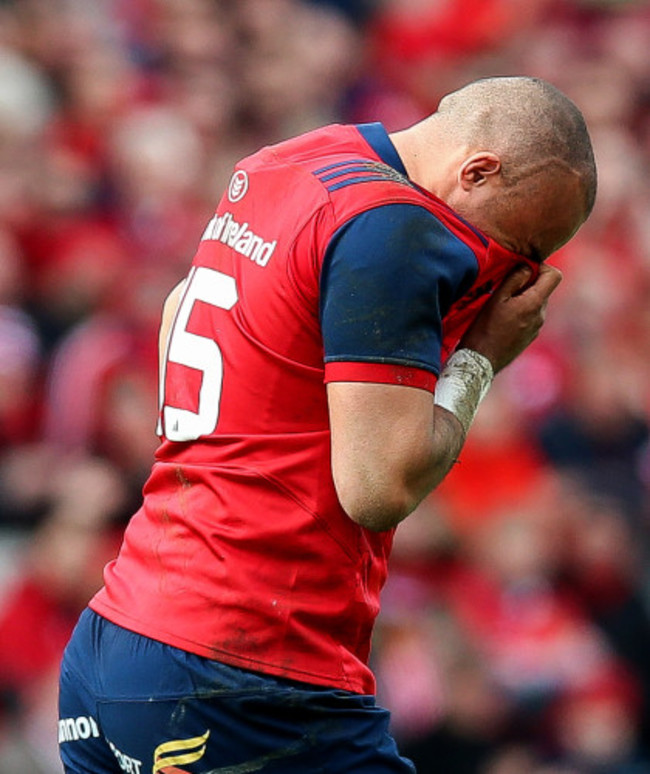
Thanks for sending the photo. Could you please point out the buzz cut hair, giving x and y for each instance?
(529, 122)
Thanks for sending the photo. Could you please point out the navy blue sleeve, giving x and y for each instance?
(388, 279)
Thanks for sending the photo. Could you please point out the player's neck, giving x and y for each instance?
(431, 161)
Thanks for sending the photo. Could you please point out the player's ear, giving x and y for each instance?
(478, 169)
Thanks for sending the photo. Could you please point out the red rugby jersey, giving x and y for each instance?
(241, 551)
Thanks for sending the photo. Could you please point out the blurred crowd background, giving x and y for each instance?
(514, 637)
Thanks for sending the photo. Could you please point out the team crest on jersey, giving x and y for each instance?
(179, 752)
(238, 186)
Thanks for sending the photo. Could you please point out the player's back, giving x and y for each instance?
(241, 550)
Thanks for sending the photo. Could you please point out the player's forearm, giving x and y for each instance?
(388, 460)
(463, 383)
(379, 490)
(449, 439)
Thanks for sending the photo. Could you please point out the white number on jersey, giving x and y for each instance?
(198, 352)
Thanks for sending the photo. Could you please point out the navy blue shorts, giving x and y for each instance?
(131, 704)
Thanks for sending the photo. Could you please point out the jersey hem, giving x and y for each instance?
(215, 654)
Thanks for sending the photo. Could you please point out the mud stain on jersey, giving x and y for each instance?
(182, 479)
(185, 486)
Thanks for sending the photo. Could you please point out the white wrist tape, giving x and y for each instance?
(463, 384)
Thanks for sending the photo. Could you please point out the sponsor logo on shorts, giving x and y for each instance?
(179, 752)
(126, 762)
(238, 186)
(74, 729)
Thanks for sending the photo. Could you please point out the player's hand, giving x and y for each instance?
(513, 316)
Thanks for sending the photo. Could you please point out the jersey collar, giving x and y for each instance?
(377, 137)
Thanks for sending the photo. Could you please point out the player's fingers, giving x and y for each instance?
(549, 278)
(515, 282)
